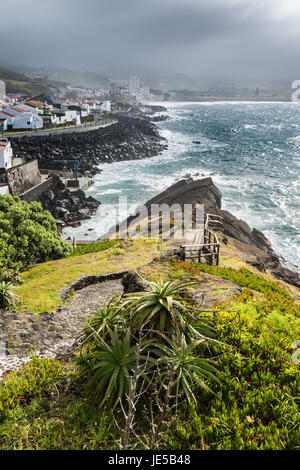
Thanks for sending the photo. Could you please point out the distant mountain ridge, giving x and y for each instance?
(160, 79)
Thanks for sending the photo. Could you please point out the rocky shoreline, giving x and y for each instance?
(134, 137)
(254, 242)
(69, 208)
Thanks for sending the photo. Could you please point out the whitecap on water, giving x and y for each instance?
(257, 173)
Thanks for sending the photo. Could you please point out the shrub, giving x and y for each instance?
(162, 307)
(102, 322)
(189, 371)
(28, 234)
(257, 407)
(20, 386)
(117, 252)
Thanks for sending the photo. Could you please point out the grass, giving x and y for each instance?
(94, 247)
(46, 406)
(41, 409)
(42, 283)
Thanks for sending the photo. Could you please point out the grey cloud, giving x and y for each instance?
(232, 38)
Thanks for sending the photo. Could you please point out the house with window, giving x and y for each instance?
(10, 118)
(20, 118)
(67, 116)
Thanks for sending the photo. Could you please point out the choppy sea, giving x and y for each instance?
(251, 151)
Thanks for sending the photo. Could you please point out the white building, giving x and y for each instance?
(67, 116)
(3, 124)
(5, 114)
(6, 154)
(134, 85)
(27, 120)
(19, 118)
(105, 106)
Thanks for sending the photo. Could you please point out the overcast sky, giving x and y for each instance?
(220, 38)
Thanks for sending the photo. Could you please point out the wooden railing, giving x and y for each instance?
(206, 248)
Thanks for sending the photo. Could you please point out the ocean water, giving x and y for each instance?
(251, 151)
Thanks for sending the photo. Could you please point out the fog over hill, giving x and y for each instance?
(232, 40)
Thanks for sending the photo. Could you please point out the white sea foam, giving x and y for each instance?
(257, 178)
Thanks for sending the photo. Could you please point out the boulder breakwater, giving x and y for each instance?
(133, 137)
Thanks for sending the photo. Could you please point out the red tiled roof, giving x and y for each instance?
(5, 112)
(19, 109)
(35, 103)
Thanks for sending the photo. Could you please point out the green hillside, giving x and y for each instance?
(19, 83)
(77, 78)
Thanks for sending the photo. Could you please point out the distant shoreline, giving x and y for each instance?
(220, 100)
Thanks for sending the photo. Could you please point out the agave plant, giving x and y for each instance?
(111, 366)
(161, 308)
(8, 298)
(174, 358)
(100, 323)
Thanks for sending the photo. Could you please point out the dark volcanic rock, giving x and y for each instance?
(132, 282)
(188, 191)
(161, 118)
(133, 137)
(66, 206)
(204, 191)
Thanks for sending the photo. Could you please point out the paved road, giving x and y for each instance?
(63, 130)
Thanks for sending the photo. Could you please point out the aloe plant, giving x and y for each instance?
(161, 308)
(8, 298)
(101, 322)
(189, 371)
(110, 367)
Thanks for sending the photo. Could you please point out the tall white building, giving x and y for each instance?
(2, 90)
(134, 85)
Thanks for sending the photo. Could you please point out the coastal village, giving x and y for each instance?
(61, 109)
(149, 230)
(58, 285)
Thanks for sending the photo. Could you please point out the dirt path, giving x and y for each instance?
(72, 317)
(50, 336)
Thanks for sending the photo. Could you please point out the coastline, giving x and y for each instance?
(64, 208)
(134, 136)
(146, 171)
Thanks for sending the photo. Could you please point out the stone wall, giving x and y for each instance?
(22, 178)
(34, 193)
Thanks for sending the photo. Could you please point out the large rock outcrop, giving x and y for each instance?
(204, 191)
